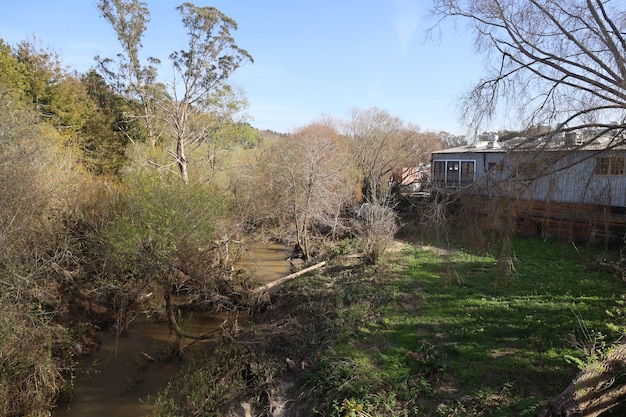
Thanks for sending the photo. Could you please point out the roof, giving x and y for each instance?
(480, 146)
(546, 143)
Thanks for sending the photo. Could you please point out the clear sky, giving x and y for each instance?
(312, 58)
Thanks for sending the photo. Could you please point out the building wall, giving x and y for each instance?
(571, 178)
(575, 195)
(566, 177)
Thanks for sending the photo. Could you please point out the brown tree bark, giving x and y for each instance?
(600, 387)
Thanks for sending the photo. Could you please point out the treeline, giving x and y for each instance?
(102, 215)
(81, 108)
(91, 220)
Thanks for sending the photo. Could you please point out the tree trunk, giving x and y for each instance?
(182, 160)
(598, 388)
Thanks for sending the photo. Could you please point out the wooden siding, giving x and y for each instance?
(550, 193)
(573, 221)
(574, 182)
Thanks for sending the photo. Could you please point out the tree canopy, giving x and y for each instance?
(200, 75)
(560, 63)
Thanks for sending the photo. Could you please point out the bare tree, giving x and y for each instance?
(312, 182)
(556, 67)
(559, 63)
(381, 143)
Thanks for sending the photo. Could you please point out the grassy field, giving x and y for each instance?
(429, 332)
(440, 333)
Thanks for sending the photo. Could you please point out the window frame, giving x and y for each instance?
(610, 166)
(495, 166)
(453, 172)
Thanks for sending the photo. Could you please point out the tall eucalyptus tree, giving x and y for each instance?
(200, 73)
(126, 73)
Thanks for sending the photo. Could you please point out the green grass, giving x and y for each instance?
(444, 335)
(426, 333)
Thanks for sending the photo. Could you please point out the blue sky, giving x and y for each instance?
(312, 58)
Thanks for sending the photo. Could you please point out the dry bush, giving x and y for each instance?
(376, 226)
(298, 186)
(38, 184)
(259, 202)
(32, 366)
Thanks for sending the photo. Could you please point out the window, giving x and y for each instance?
(602, 166)
(613, 165)
(453, 173)
(495, 167)
(616, 165)
(467, 172)
(439, 171)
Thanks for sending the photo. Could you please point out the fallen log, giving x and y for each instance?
(615, 267)
(600, 387)
(279, 281)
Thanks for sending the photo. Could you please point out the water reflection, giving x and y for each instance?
(120, 378)
(267, 262)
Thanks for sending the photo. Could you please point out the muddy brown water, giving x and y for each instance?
(119, 380)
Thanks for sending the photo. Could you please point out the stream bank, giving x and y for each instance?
(125, 373)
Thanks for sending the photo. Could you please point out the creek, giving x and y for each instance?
(120, 378)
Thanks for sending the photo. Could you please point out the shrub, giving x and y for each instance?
(376, 226)
(162, 230)
(38, 259)
(30, 364)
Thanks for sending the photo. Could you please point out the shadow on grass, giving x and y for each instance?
(488, 337)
